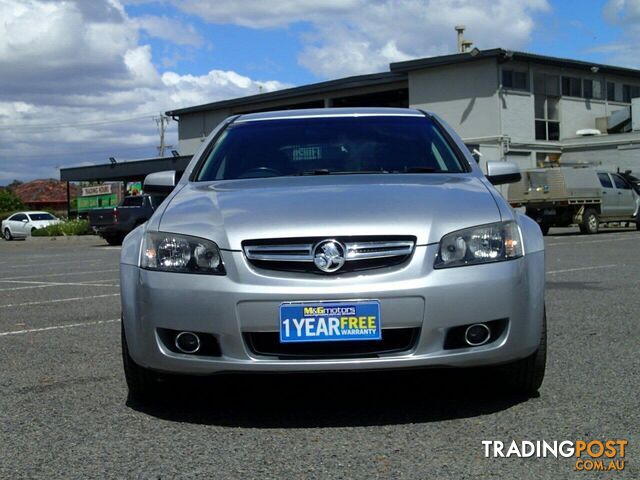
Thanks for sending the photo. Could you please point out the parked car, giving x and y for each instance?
(333, 240)
(559, 197)
(114, 223)
(23, 224)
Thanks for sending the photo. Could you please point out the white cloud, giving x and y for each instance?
(170, 29)
(361, 36)
(624, 14)
(77, 86)
(267, 14)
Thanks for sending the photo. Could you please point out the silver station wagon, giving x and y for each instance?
(333, 240)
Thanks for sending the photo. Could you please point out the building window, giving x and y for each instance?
(547, 95)
(546, 84)
(571, 87)
(629, 92)
(547, 118)
(611, 92)
(592, 89)
(515, 79)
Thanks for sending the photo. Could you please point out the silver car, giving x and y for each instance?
(333, 240)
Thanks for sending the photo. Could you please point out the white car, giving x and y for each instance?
(23, 224)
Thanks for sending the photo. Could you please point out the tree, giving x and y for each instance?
(9, 201)
(15, 183)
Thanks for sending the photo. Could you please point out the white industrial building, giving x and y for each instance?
(532, 109)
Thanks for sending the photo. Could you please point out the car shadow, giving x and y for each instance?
(331, 400)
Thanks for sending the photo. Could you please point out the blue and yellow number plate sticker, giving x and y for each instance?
(330, 321)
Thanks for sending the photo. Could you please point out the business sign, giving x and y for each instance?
(134, 188)
(96, 190)
(97, 201)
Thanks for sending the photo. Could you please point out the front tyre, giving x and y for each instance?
(7, 234)
(525, 376)
(143, 384)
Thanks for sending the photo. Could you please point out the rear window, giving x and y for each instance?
(605, 181)
(329, 145)
(132, 202)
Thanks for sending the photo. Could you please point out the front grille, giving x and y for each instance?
(393, 340)
(297, 255)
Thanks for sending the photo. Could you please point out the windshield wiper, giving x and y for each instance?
(326, 171)
(317, 171)
(419, 170)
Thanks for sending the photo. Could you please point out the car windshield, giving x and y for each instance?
(41, 216)
(329, 145)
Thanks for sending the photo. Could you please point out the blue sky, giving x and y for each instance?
(571, 29)
(82, 80)
(269, 53)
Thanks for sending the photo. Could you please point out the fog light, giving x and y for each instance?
(187, 342)
(477, 334)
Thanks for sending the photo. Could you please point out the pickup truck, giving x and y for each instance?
(113, 224)
(563, 196)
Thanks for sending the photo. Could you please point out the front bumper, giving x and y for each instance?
(412, 296)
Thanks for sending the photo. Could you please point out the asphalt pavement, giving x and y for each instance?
(64, 411)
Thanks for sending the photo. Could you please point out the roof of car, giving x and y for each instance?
(330, 112)
(29, 212)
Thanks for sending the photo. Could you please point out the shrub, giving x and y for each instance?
(66, 228)
(4, 215)
(9, 201)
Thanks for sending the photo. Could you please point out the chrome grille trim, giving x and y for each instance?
(303, 252)
(366, 250)
(280, 253)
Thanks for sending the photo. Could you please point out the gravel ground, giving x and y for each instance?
(64, 411)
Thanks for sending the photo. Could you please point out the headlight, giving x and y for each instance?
(494, 242)
(170, 252)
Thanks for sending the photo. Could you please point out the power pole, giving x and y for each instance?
(162, 121)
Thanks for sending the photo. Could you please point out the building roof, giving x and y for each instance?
(124, 171)
(504, 55)
(398, 72)
(357, 81)
(43, 192)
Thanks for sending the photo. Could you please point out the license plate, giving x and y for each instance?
(330, 321)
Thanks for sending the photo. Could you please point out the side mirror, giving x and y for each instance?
(499, 173)
(160, 182)
(24, 220)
